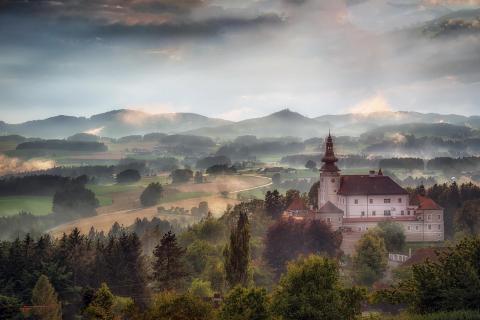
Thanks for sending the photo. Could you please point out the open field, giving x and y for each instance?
(37, 205)
(125, 207)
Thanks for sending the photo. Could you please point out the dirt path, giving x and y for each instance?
(126, 207)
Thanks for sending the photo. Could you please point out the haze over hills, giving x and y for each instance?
(115, 123)
(279, 124)
(123, 122)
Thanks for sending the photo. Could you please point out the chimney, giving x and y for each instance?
(372, 173)
(380, 173)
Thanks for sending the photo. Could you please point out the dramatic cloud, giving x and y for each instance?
(238, 58)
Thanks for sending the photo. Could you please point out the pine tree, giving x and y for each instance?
(237, 253)
(44, 298)
(168, 268)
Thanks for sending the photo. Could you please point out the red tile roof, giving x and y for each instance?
(369, 185)
(329, 208)
(427, 204)
(422, 254)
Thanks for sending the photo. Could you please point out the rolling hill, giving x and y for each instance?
(114, 123)
(279, 124)
(124, 122)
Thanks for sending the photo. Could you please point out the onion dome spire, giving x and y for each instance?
(329, 158)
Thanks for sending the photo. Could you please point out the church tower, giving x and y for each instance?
(329, 176)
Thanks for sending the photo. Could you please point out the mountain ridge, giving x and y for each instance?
(122, 122)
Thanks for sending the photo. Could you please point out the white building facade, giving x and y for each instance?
(357, 203)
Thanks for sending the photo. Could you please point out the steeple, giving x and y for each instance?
(329, 158)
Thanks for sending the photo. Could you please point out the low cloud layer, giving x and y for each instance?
(15, 165)
(238, 58)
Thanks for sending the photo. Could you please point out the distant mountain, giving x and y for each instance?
(278, 124)
(114, 123)
(124, 122)
(354, 124)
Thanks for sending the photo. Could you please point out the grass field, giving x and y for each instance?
(37, 205)
(125, 206)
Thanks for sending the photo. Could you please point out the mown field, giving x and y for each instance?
(125, 206)
(37, 205)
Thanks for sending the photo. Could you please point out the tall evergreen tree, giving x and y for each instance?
(274, 203)
(168, 267)
(45, 300)
(237, 253)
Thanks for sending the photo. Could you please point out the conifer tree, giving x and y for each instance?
(45, 300)
(168, 267)
(237, 253)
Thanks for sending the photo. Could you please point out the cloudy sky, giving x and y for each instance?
(237, 59)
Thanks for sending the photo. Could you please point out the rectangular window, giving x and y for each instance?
(387, 213)
(386, 200)
(374, 213)
(399, 200)
(356, 201)
(429, 217)
(371, 200)
(363, 213)
(439, 227)
(402, 213)
(329, 220)
(438, 217)
(416, 228)
(408, 212)
(429, 227)
(408, 228)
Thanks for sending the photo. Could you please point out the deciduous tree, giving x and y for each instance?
(311, 290)
(45, 301)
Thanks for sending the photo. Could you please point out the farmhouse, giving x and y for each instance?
(357, 203)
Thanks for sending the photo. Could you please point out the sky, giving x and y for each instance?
(237, 59)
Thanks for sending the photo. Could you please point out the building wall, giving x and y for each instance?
(329, 184)
(335, 220)
(373, 206)
(429, 227)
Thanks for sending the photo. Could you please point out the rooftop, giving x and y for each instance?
(369, 185)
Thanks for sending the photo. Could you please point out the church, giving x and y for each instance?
(357, 203)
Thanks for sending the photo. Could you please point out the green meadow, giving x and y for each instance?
(37, 205)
